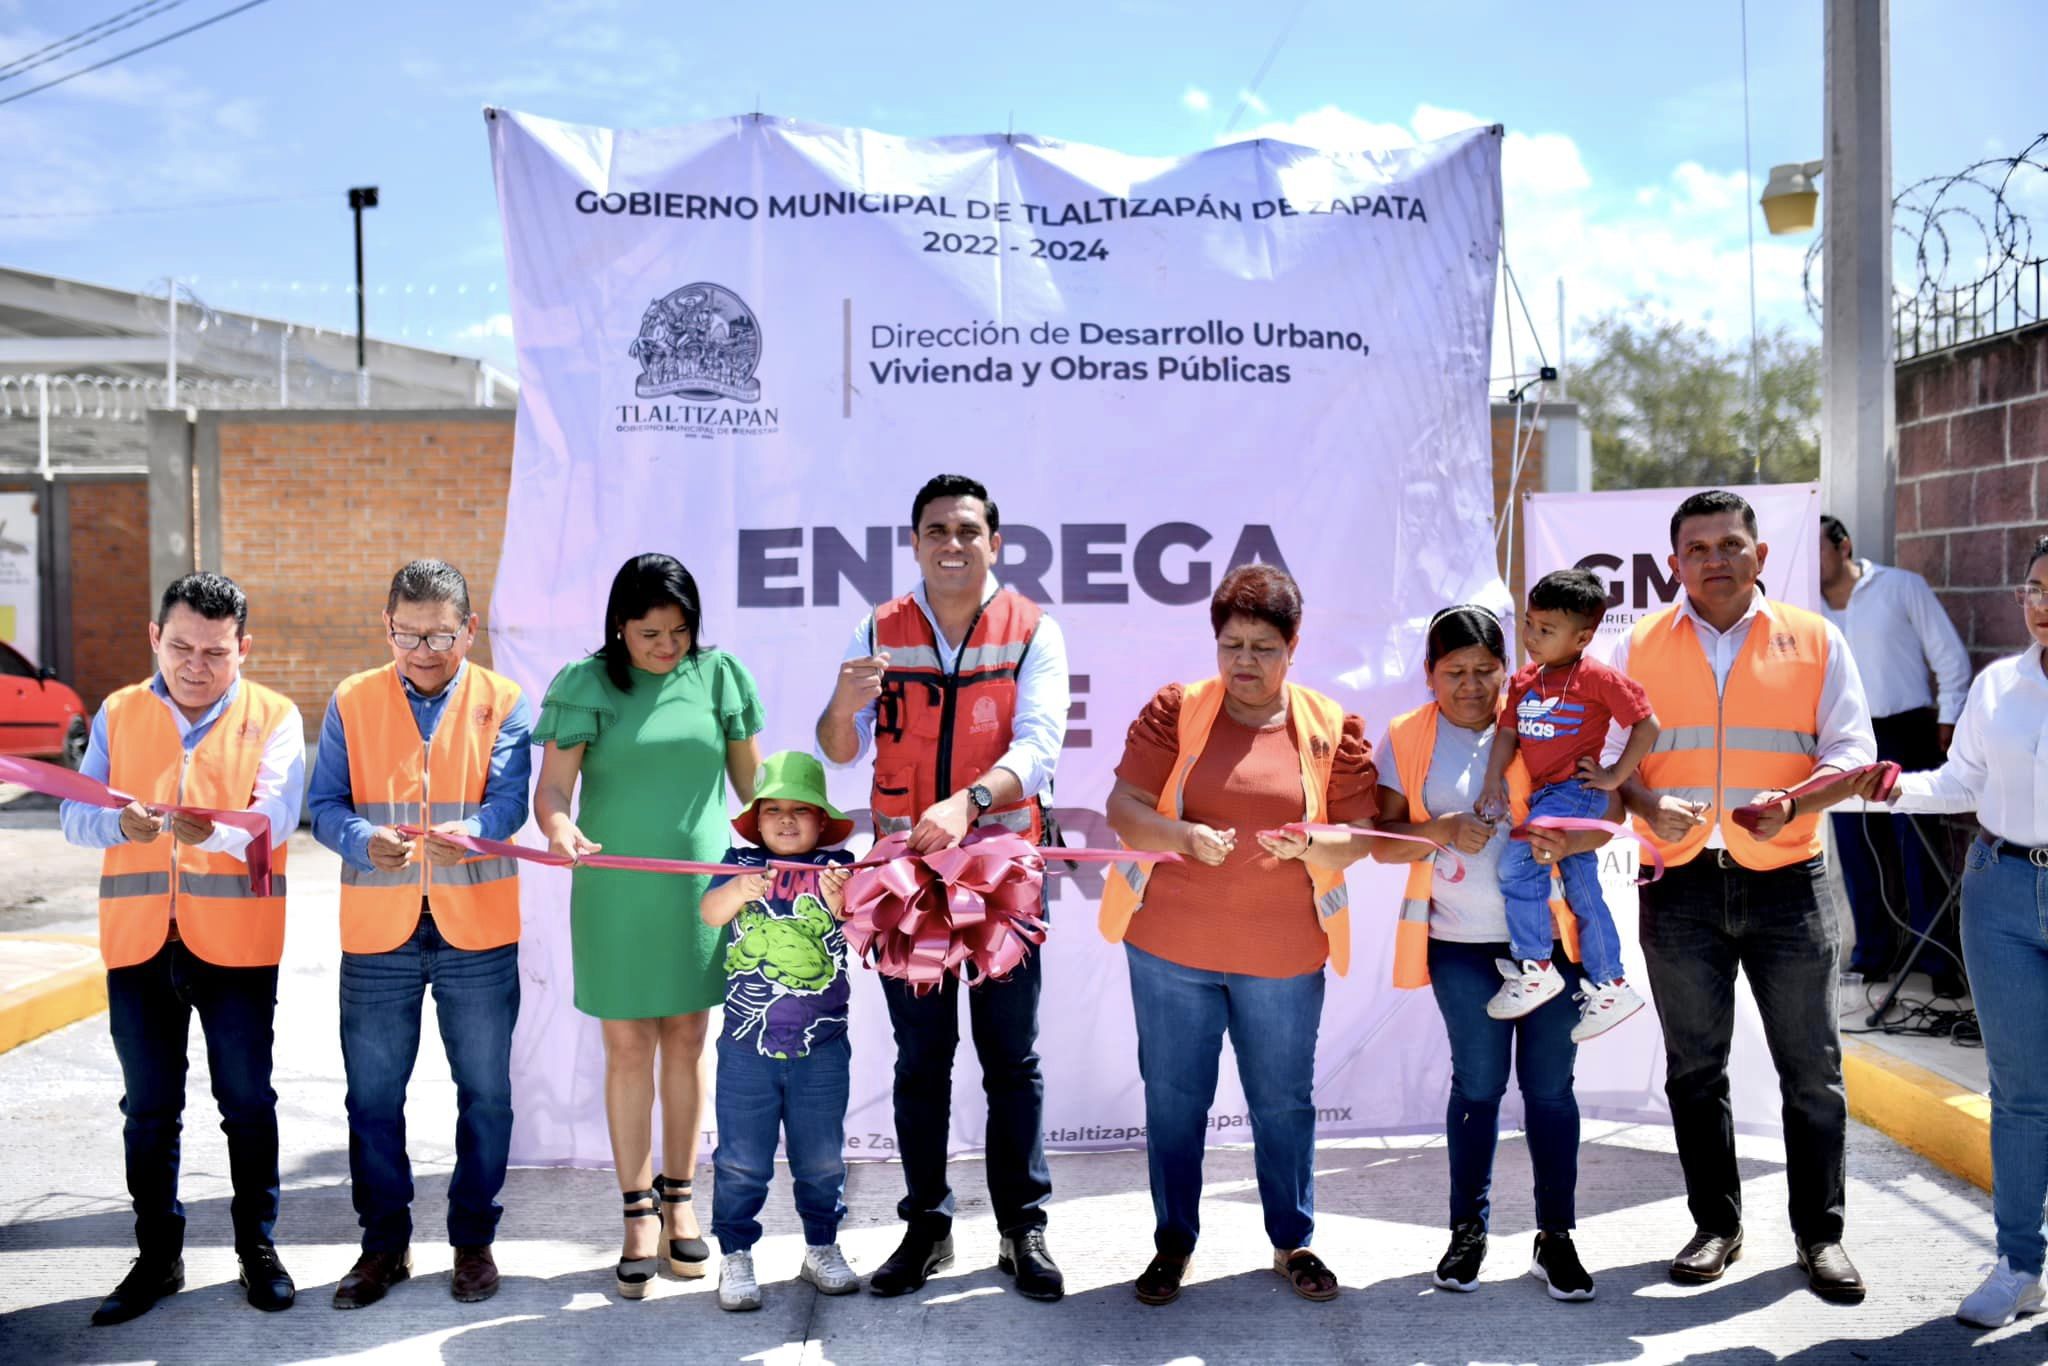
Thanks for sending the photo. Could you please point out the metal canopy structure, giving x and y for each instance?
(80, 365)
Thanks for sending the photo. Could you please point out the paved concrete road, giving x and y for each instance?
(1918, 1234)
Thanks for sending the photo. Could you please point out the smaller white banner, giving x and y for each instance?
(20, 579)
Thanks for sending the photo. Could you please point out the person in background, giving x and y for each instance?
(440, 744)
(1998, 768)
(181, 930)
(653, 726)
(1901, 639)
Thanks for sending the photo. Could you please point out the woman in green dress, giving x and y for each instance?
(654, 724)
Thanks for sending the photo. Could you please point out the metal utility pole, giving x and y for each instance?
(1859, 438)
(359, 198)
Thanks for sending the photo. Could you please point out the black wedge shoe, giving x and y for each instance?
(637, 1273)
(687, 1257)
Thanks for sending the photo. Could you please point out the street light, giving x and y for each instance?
(1790, 200)
(361, 197)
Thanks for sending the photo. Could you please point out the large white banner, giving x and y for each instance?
(747, 342)
(1624, 536)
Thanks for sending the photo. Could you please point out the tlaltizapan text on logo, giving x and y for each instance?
(698, 348)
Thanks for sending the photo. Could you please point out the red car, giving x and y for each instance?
(39, 717)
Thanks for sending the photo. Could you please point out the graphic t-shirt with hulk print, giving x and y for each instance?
(785, 959)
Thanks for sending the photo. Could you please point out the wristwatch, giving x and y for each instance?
(982, 798)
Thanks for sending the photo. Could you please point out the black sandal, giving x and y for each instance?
(637, 1273)
(687, 1257)
(1305, 1271)
(1159, 1282)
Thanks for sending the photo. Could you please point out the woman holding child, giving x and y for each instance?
(1434, 762)
(653, 726)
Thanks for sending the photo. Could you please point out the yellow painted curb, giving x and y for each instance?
(1947, 1124)
(60, 999)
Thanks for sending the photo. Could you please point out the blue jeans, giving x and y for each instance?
(1526, 885)
(1701, 924)
(476, 1000)
(759, 1098)
(2005, 940)
(1182, 1014)
(149, 1013)
(1004, 1018)
(1464, 979)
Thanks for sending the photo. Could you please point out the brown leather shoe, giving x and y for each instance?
(476, 1275)
(372, 1275)
(1706, 1257)
(1830, 1274)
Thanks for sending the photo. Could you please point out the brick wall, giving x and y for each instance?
(318, 510)
(110, 606)
(1973, 480)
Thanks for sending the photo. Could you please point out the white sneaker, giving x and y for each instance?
(2005, 1295)
(826, 1268)
(1529, 984)
(1602, 1006)
(737, 1288)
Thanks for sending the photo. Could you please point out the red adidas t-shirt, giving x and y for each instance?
(1561, 715)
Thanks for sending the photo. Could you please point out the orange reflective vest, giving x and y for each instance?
(1318, 724)
(1722, 746)
(935, 731)
(1413, 737)
(143, 886)
(395, 778)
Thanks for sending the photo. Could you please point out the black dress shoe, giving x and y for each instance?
(1706, 1257)
(1830, 1274)
(911, 1264)
(264, 1277)
(1025, 1259)
(149, 1279)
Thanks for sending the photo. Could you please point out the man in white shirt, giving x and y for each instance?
(960, 690)
(1916, 674)
(1755, 697)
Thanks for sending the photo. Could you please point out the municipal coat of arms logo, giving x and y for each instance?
(703, 342)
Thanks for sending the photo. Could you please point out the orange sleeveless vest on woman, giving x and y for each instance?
(1318, 727)
(1722, 746)
(1413, 737)
(395, 778)
(936, 732)
(143, 885)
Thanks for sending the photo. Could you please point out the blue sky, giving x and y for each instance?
(1623, 167)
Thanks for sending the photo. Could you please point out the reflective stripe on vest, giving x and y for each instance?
(218, 918)
(928, 719)
(1413, 738)
(1723, 745)
(396, 778)
(1318, 725)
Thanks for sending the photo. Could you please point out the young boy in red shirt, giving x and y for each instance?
(1562, 703)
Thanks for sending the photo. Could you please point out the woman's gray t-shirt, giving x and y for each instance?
(1472, 911)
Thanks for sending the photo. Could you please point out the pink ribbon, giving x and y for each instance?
(70, 786)
(1521, 832)
(1455, 873)
(1749, 817)
(477, 844)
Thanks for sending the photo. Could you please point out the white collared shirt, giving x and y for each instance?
(1038, 729)
(1899, 635)
(1845, 737)
(1998, 765)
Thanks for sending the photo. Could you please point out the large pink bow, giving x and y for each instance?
(970, 910)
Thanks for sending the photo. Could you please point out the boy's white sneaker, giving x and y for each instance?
(826, 1268)
(2005, 1295)
(737, 1288)
(1529, 984)
(1602, 1006)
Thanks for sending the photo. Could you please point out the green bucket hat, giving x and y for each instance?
(793, 776)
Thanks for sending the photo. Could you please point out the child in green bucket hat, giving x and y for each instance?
(783, 1057)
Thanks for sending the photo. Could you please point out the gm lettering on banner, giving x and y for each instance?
(1091, 563)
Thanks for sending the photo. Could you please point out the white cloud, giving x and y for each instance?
(1195, 100)
(1253, 103)
(241, 116)
(1331, 128)
(497, 325)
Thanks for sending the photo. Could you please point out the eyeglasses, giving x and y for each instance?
(2030, 595)
(441, 642)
